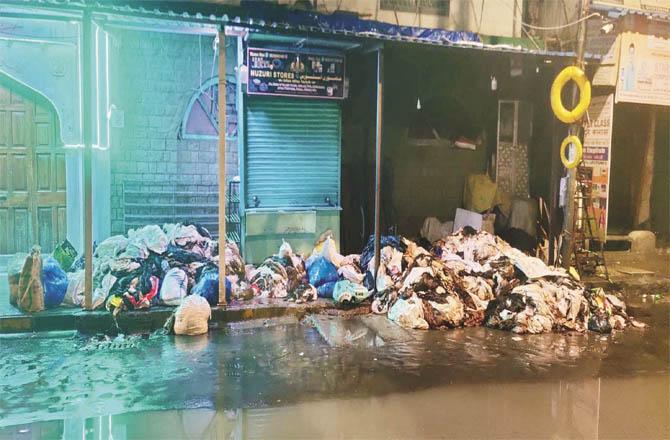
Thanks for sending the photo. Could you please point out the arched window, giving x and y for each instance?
(201, 119)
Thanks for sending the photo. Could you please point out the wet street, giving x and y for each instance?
(284, 379)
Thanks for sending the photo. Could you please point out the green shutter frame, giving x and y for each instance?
(292, 152)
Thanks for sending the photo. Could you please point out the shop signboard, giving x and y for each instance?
(295, 73)
(644, 69)
(597, 156)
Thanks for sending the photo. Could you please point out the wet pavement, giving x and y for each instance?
(280, 378)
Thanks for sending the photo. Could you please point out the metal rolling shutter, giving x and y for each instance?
(292, 152)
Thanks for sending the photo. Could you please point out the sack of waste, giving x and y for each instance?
(321, 271)
(65, 254)
(192, 315)
(174, 286)
(74, 295)
(347, 293)
(208, 286)
(31, 291)
(326, 290)
(54, 280)
(14, 268)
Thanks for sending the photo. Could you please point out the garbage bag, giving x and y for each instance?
(348, 293)
(31, 291)
(74, 295)
(54, 280)
(326, 290)
(65, 254)
(14, 268)
(192, 315)
(111, 246)
(322, 271)
(208, 286)
(174, 286)
(408, 313)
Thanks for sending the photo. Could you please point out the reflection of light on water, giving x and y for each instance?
(191, 344)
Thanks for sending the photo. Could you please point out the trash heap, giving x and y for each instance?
(474, 278)
(469, 278)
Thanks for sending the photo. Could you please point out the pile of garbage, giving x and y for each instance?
(469, 278)
(149, 266)
(474, 278)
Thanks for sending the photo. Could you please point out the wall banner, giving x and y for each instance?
(644, 70)
(597, 156)
(292, 73)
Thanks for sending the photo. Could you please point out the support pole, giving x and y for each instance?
(643, 198)
(378, 161)
(575, 129)
(87, 134)
(222, 167)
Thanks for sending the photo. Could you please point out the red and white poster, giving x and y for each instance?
(597, 155)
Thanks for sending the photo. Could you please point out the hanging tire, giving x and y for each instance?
(577, 75)
(574, 140)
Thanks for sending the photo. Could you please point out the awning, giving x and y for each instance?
(273, 18)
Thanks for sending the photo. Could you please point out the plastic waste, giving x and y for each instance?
(326, 290)
(74, 295)
(174, 286)
(321, 272)
(54, 280)
(285, 250)
(208, 286)
(65, 254)
(408, 313)
(347, 293)
(192, 315)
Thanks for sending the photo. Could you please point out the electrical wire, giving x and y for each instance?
(567, 25)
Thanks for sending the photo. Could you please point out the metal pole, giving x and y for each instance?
(87, 134)
(378, 161)
(222, 167)
(569, 215)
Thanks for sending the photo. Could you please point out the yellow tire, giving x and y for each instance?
(577, 75)
(574, 140)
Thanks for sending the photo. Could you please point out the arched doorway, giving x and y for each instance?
(32, 171)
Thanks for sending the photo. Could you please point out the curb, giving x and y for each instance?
(143, 321)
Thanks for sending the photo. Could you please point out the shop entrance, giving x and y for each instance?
(32, 173)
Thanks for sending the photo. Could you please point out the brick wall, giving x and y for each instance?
(153, 76)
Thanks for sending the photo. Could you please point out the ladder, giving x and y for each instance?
(586, 260)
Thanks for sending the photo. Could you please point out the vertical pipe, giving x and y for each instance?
(378, 160)
(568, 224)
(222, 167)
(87, 135)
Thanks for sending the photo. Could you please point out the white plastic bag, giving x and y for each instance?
(285, 249)
(173, 289)
(74, 296)
(408, 313)
(192, 315)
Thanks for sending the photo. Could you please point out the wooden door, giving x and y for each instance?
(32, 174)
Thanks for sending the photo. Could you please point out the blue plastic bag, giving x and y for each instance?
(321, 271)
(54, 280)
(326, 290)
(208, 287)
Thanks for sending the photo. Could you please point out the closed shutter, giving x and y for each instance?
(292, 152)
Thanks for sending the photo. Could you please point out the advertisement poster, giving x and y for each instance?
(597, 156)
(289, 73)
(644, 70)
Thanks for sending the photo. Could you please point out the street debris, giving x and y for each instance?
(468, 278)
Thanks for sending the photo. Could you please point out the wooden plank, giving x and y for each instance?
(222, 167)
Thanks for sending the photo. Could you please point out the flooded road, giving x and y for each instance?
(284, 379)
